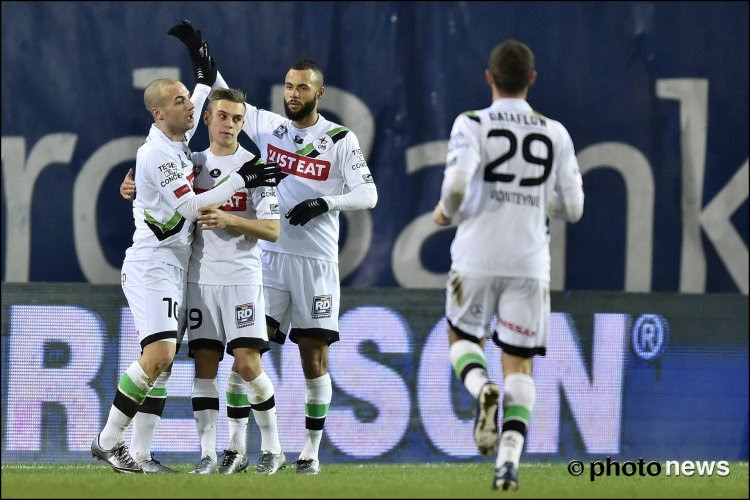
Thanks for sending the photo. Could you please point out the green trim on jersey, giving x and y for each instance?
(335, 134)
(167, 226)
(472, 115)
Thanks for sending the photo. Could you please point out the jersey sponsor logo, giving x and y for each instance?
(182, 190)
(275, 208)
(268, 194)
(236, 203)
(322, 306)
(301, 166)
(298, 139)
(244, 315)
(367, 178)
(359, 164)
(215, 173)
(280, 131)
(527, 332)
(170, 171)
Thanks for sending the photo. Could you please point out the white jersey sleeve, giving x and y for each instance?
(357, 177)
(462, 160)
(169, 180)
(200, 94)
(567, 198)
(266, 203)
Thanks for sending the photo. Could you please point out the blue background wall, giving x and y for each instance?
(68, 77)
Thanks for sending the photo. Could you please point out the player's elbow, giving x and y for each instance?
(573, 213)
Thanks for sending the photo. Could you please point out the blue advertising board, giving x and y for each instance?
(626, 375)
(654, 95)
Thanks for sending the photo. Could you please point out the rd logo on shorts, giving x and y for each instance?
(245, 315)
(321, 306)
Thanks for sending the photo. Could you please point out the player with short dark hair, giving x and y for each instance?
(300, 270)
(508, 168)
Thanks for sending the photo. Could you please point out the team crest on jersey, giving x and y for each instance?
(322, 144)
(215, 173)
(280, 131)
(322, 306)
(197, 169)
(245, 315)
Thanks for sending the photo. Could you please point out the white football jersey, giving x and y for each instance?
(321, 160)
(163, 176)
(516, 159)
(225, 256)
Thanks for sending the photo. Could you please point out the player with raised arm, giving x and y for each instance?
(507, 169)
(300, 270)
(224, 296)
(154, 269)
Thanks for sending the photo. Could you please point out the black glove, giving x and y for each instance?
(255, 173)
(204, 66)
(307, 210)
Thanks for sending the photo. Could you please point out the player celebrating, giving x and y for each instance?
(153, 273)
(224, 297)
(300, 270)
(507, 169)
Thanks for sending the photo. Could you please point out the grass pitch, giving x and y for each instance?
(447, 480)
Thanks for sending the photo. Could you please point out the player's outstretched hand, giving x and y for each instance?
(204, 66)
(305, 211)
(256, 173)
(187, 34)
(127, 188)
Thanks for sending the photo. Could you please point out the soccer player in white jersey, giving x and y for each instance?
(507, 169)
(154, 269)
(300, 270)
(225, 299)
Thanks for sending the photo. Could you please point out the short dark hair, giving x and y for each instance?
(511, 64)
(310, 64)
(222, 94)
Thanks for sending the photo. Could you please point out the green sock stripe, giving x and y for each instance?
(466, 359)
(128, 387)
(316, 411)
(237, 400)
(515, 412)
(158, 392)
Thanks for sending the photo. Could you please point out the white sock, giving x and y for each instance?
(147, 418)
(317, 401)
(205, 399)
(130, 394)
(238, 412)
(518, 403)
(260, 395)
(470, 365)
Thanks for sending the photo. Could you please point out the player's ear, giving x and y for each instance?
(488, 78)
(321, 91)
(206, 117)
(532, 78)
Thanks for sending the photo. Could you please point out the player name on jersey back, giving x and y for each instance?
(299, 165)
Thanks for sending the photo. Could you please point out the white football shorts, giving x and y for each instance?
(156, 296)
(522, 306)
(302, 296)
(226, 315)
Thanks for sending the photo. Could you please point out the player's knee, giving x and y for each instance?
(247, 363)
